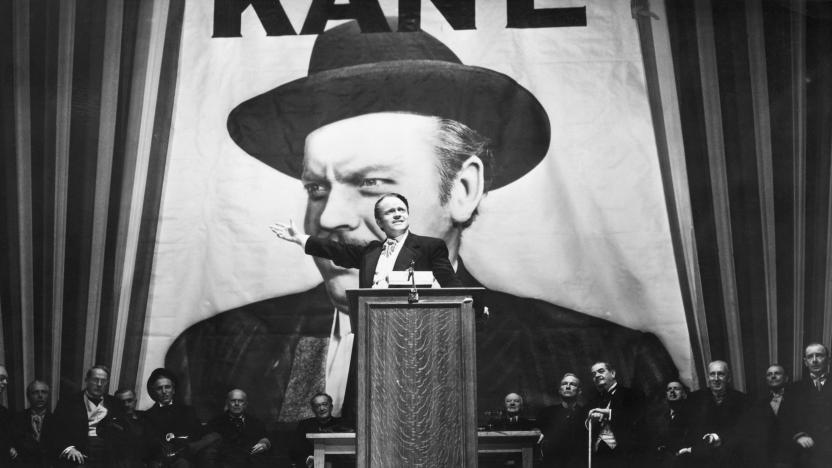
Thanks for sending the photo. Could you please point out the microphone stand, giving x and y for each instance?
(413, 295)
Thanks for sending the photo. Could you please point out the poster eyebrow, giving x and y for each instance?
(376, 171)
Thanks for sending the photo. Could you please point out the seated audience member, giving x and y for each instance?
(5, 420)
(27, 428)
(512, 418)
(714, 414)
(135, 427)
(760, 430)
(807, 411)
(174, 433)
(564, 441)
(321, 403)
(615, 416)
(668, 426)
(86, 428)
(243, 438)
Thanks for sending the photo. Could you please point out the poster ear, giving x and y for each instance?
(467, 190)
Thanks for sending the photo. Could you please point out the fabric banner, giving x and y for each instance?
(571, 239)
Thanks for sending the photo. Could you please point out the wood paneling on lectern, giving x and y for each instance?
(416, 369)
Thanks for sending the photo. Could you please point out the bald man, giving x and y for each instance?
(715, 413)
(243, 440)
(512, 418)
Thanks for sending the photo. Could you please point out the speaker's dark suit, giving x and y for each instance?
(426, 253)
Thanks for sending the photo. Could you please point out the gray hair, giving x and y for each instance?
(455, 143)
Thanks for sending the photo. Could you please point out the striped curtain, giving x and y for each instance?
(85, 98)
(754, 85)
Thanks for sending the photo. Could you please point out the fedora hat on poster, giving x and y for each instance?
(353, 73)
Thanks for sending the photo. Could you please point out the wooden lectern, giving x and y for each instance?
(416, 377)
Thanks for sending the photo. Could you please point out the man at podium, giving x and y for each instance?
(400, 250)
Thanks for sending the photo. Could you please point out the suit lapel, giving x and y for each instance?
(370, 262)
(411, 250)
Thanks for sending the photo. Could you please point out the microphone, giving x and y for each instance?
(413, 295)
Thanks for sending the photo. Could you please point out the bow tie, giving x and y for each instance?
(389, 246)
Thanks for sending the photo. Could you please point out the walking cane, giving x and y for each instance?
(588, 426)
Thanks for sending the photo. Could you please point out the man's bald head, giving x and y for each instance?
(513, 404)
(237, 402)
(719, 376)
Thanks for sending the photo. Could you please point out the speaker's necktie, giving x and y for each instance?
(389, 247)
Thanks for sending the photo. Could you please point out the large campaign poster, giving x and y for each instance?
(570, 239)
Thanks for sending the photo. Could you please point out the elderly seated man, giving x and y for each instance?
(242, 437)
(322, 422)
(715, 412)
(512, 418)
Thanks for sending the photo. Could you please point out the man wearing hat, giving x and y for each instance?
(174, 434)
(395, 112)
